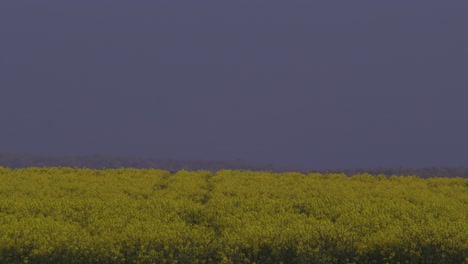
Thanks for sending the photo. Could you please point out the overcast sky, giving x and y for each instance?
(312, 84)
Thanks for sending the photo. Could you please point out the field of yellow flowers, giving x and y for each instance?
(66, 215)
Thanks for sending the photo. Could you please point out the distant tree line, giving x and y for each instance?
(429, 172)
(15, 160)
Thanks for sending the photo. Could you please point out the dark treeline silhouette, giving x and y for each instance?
(15, 160)
(429, 172)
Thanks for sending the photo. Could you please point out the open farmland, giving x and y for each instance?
(64, 215)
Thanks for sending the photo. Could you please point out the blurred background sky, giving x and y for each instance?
(311, 84)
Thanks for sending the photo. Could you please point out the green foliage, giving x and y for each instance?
(64, 215)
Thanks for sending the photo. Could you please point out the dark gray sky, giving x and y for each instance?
(314, 84)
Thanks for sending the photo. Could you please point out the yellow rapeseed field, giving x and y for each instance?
(66, 215)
